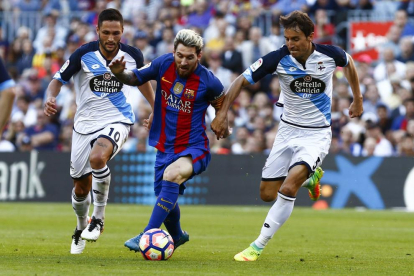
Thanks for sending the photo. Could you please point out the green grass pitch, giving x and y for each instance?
(35, 240)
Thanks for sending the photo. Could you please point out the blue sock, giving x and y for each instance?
(172, 223)
(165, 203)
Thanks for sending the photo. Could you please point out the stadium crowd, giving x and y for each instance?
(234, 39)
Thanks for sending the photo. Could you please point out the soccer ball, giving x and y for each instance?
(156, 245)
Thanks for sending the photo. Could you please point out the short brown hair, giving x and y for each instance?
(298, 19)
(110, 15)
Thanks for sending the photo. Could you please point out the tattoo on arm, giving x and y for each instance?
(128, 77)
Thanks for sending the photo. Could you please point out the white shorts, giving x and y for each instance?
(82, 146)
(294, 146)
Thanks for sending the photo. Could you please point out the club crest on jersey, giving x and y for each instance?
(178, 88)
(64, 66)
(256, 65)
(189, 93)
(307, 85)
(320, 67)
(105, 83)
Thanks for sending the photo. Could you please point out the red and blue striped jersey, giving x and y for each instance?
(180, 104)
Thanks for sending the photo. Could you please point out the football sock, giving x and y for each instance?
(172, 223)
(164, 204)
(277, 216)
(81, 208)
(101, 179)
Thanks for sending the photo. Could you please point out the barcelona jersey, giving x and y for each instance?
(180, 104)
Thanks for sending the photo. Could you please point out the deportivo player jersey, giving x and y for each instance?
(180, 104)
(5, 80)
(101, 99)
(306, 92)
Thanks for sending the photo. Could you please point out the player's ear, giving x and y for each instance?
(310, 37)
(97, 29)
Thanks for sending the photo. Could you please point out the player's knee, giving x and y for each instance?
(172, 175)
(289, 190)
(97, 160)
(81, 191)
(266, 194)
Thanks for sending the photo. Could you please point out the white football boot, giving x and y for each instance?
(93, 230)
(78, 245)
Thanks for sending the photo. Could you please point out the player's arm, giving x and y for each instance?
(148, 92)
(118, 68)
(42, 138)
(51, 93)
(350, 71)
(222, 106)
(6, 105)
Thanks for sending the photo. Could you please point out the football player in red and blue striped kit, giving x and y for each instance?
(177, 126)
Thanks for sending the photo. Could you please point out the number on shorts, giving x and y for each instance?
(116, 136)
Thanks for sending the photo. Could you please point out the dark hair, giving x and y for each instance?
(110, 15)
(298, 19)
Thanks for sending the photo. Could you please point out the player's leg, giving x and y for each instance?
(81, 200)
(170, 174)
(278, 213)
(174, 175)
(109, 142)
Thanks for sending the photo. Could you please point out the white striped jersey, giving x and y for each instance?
(306, 91)
(101, 99)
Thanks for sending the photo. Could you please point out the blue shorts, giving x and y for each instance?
(200, 157)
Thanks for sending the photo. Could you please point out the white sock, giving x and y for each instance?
(101, 180)
(276, 217)
(81, 208)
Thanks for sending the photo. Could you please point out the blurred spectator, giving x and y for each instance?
(217, 43)
(406, 146)
(407, 49)
(371, 99)
(401, 20)
(215, 66)
(201, 15)
(26, 112)
(26, 59)
(42, 136)
(329, 5)
(92, 17)
(384, 121)
(50, 30)
(231, 58)
(382, 148)
(239, 147)
(254, 48)
(347, 143)
(167, 43)
(392, 40)
(283, 7)
(402, 121)
(276, 37)
(324, 30)
(141, 42)
(388, 65)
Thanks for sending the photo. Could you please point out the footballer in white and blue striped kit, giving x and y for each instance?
(304, 136)
(102, 120)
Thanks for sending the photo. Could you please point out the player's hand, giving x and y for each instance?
(220, 126)
(117, 66)
(356, 109)
(50, 106)
(148, 122)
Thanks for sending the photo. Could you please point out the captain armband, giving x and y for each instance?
(217, 103)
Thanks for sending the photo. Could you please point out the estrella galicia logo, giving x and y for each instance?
(307, 85)
(105, 83)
